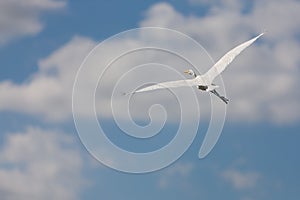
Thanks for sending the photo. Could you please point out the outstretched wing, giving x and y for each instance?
(219, 67)
(169, 84)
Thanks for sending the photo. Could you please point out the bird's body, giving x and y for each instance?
(204, 82)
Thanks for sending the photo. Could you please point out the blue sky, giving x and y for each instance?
(42, 44)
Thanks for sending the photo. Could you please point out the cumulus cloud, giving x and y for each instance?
(22, 18)
(48, 92)
(39, 164)
(260, 83)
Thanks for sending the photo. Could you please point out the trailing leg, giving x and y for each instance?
(221, 97)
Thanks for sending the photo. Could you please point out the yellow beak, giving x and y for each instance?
(186, 71)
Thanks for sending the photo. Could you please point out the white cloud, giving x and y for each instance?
(22, 18)
(260, 83)
(39, 164)
(48, 92)
(241, 180)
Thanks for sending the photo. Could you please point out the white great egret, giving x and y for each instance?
(204, 82)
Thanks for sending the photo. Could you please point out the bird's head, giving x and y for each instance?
(190, 72)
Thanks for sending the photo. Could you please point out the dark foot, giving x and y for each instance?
(224, 99)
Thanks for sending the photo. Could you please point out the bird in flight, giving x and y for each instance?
(204, 82)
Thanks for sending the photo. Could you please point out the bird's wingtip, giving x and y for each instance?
(127, 93)
(261, 34)
(264, 31)
(258, 36)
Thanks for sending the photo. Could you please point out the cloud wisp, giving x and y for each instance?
(241, 180)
